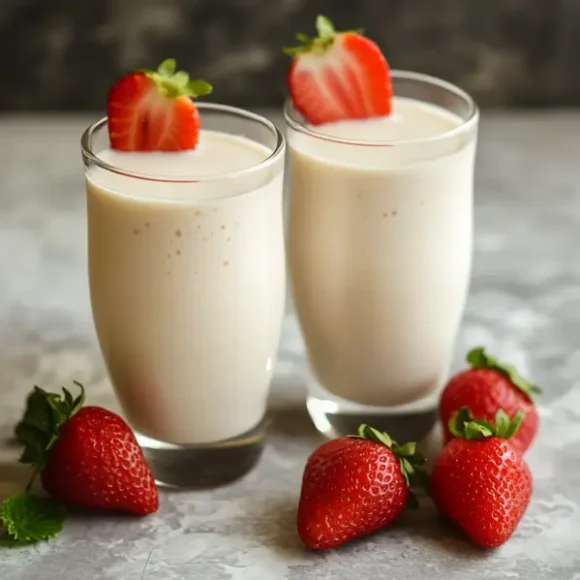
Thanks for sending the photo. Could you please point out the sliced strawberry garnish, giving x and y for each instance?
(154, 110)
(338, 75)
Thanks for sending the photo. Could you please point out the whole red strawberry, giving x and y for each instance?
(338, 75)
(487, 387)
(87, 457)
(354, 486)
(480, 481)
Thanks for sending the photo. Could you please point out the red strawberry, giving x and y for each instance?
(480, 481)
(87, 457)
(338, 75)
(354, 486)
(154, 110)
(487, 387)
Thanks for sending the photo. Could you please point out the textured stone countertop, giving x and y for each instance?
(524, 304)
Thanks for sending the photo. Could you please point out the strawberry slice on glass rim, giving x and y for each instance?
(338, 75)
(154, 110)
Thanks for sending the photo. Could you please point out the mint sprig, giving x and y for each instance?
(479, 359)
(27, 518)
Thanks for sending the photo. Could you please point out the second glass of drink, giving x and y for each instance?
(380, 247)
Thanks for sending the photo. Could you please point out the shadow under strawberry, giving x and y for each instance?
(430, 528)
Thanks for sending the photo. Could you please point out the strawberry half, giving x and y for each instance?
(338, 75)
(154, 110)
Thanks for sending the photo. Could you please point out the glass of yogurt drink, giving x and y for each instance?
(380, 231)
(187, 272)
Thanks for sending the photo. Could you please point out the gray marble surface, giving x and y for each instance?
(524, 305)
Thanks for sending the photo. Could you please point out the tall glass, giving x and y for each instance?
(187, 282)
(380, 245)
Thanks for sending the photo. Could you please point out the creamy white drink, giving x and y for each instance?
(380, 247)
(188, 284)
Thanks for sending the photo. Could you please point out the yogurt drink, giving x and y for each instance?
(380, 248)
(187, 280)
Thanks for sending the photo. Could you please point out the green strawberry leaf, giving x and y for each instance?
(457, 422)
(324, 27)
(462, 424)
(167, 67)
(39, 427)
(474, 430)
(479, 359)
(502, 423)
(176, 83)
(409, 449)
(409, 459)
(325, 35)
(372, 434)
(27, 518)
(514, 424)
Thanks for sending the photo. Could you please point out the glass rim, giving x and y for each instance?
(467, 123)
(275, 154)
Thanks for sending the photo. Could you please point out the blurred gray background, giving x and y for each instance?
(64, 54)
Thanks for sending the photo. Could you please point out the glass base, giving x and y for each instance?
(203, 466)
(336, 417)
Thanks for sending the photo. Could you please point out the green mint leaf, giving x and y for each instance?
(303, 38)
(167, 67)
(9, 542)
(28, 518)
(324, 27)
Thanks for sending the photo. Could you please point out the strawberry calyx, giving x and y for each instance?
(409, 459)
(479, 359)
(463, 425)
(40, 425)
(172, 83)
(326, 34)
